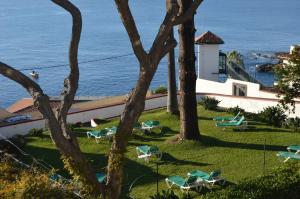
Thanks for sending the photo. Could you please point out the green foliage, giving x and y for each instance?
(169, 194)
(160, 90)
(273, 115)
(36, 132)
(293, 123)
(235, 110)
(209, 103)
(288, 77)
(236, 58)
(20, 182)
(282, 183)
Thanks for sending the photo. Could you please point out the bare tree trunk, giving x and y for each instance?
(136, 101)
(172, 105)
(188, 104)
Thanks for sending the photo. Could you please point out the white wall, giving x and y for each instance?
(208, 62)
(83, 116)
(253, 105)
(207, 86)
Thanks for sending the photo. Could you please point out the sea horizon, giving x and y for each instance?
(36, 36)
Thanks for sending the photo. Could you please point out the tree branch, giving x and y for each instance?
(71, 82)
(20, 78)
(156, 50)
(188, 14)
(129, 24)
(170, 44)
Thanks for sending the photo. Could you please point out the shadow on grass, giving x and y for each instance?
(214, 142)
(254, 129)
(132, 171)
(205, 118)
(168, 158)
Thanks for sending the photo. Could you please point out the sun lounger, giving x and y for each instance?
(226, 119)
(184, 184)
(149, 125)
(288, 155)
(208, 178)
(101, 177)
(106, 133)
(137, 126)
(295, 148)
(145, 152)
(241, 123)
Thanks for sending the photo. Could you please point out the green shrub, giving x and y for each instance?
(36, 132)
(160, 90)
(209, 103)
(19, 182)
(235, 110)
(283, 182)
(293, 123)
(169, 194)
(273, 115)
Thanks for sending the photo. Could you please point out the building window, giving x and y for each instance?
(222, 63)
(239, 89)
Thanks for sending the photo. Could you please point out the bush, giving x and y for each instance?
(235, 110)
(7, 146)
(19, 182)
(210, 103)
(36, 132)
(169, 194)
(160, 90)
(273, 115)
(293, 123)
(282, 183)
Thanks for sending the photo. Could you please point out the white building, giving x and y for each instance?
(247, 95)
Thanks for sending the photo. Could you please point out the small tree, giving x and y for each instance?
(289, 79)
(236, 58)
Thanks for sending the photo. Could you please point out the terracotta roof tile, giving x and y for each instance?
(20, 105)
(208, 38)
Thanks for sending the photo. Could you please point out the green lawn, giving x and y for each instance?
(239, 154)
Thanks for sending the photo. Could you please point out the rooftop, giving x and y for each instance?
(208, 38)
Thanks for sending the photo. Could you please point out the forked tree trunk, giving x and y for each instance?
(172, 104)
(188, 104)
(136, 102)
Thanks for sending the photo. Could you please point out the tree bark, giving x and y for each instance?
(136, 101)
(172, 103)
(63, 138)
(188, 104)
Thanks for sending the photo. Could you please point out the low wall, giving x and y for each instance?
(250, 104)
(114, 110)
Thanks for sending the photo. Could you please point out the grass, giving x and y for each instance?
(239, 154)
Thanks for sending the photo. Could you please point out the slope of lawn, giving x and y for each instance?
(239, 154)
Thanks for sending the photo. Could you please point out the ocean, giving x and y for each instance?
(35, 35)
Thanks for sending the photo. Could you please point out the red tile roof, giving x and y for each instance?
(208, 38)
(20, 105)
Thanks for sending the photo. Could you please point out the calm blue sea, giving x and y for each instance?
(36, 34)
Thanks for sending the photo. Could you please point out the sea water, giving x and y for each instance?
(34, 35)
